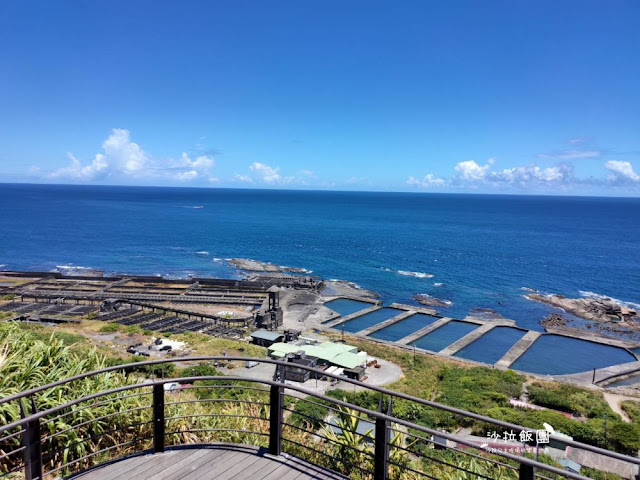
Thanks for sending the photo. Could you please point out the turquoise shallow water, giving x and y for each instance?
(345, 306)
(369, 319)
(444, 336)
(404, 327)
(558, 355)
(491, 346)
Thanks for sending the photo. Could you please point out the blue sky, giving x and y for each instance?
(494, 96)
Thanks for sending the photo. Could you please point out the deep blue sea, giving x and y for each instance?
(481, 249)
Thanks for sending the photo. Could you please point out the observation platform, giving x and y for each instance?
(210, 462)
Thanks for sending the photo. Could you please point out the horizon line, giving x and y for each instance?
(318, 190)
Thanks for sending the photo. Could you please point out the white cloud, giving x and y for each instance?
(470, 170)
(123, 158)
(571, 154)
(533, 174)
(266, 173)
(125, 154)
(75, 169)
(470, 174)
(429, 180)
(622, 172)
(243, 178)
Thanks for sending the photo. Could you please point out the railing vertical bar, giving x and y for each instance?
(526, 472)
(158, 418)
(31, 440)
(276, 395)
(381, 449)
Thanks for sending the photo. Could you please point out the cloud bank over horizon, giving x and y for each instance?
(123, 160)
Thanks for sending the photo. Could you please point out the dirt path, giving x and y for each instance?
(614, 402)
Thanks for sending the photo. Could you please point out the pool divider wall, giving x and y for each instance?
(515, 352)
(518, 349)
(346, 318)
(469, 338)
(425, 330)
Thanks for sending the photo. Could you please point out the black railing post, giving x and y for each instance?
(381, 450)
(32, 446)
(158, 418)
(526, 472)
(276, 395)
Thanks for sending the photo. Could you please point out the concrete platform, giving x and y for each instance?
(423, 331)
(414, 308)
(214, 462)
(518, 349)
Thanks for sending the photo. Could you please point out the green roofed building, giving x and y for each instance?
(327, 353)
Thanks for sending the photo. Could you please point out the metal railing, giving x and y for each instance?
(70, 436)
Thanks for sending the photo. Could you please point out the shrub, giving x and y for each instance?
(568, 398)
(308, 415)
(110, 327)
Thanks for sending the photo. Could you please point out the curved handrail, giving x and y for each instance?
(381, 390)
(371, 413)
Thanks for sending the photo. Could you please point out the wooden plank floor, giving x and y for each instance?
(215, 462)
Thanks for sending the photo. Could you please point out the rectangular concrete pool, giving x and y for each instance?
(369, 319)
(444, 336)
(492, 346)
(405, 327)
(346, 306)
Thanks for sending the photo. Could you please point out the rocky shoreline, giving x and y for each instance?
(424, 299)
(604, 310)
(250, 265)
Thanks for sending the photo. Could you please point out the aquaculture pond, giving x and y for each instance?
(369, 319)
(444, 336)
(492, 346)
(558, 355)
(346, 306)
(405, 327)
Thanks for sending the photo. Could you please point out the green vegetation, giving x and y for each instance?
(8, 297)
(36, 355)
(110, 327)
(632, 409)
(569, 398)
(308, 413)
(30, 357)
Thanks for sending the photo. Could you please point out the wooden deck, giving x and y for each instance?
(209, 462)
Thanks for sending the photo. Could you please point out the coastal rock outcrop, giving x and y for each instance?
(554, 320)
(425, 299)
(250, 265)
(596, 309)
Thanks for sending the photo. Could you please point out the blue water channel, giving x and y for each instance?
(558, 355)
(635, 380)
(345, 306)
(492, 346)
(444, 336)
(401, 329)
(368, 319)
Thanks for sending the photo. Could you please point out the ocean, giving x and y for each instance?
(477, 251)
